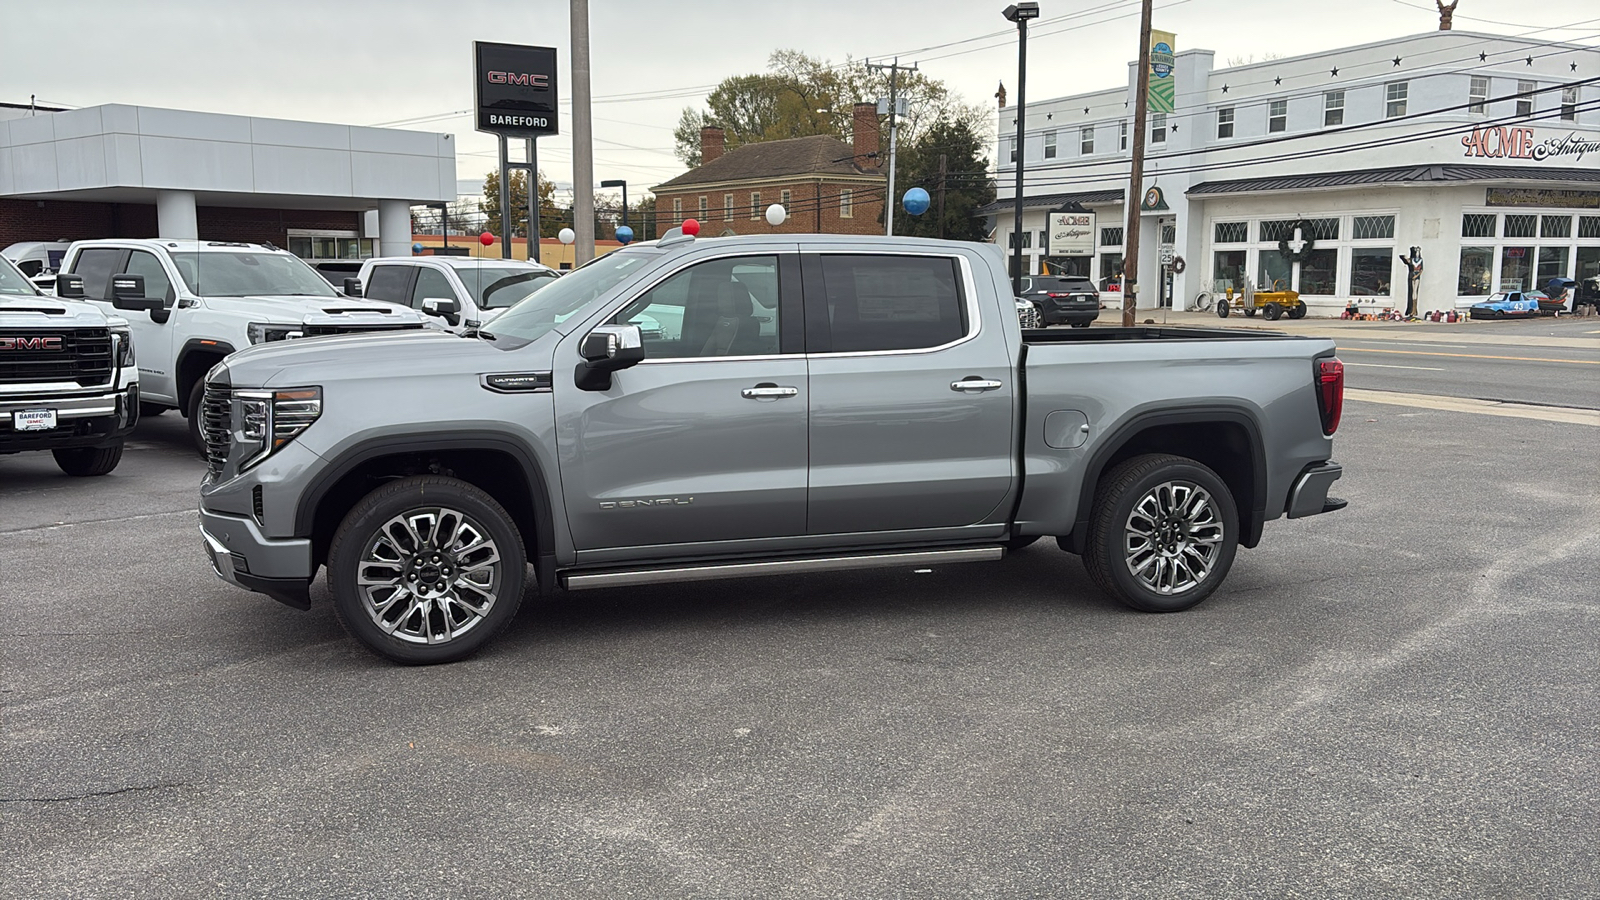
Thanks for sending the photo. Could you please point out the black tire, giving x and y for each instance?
(1222, 309)
(1133, 484)
(197, 396)
(1250, 312)
(1273, 312)
(1020, 542)
(86, 462)
(363, 544)
(1298, 311)
(151, 410)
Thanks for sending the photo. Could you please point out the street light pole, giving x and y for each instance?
(1020, 13)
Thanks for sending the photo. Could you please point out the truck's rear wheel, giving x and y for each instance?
(88, 461)
(1163, 533)
(426, 570)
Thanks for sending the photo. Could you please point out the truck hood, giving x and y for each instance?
(293, 310)
(391, 356)
(48, 312)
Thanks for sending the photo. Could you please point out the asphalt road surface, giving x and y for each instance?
(1394, 700)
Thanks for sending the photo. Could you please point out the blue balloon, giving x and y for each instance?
(915, 201)
(624, 234)
(416, 248)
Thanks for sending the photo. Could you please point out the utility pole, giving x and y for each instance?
(1020, 13)
(1130, 242)
(582, 138)
(505, 200)
(533, 200)
(943, 161)
(894, 99)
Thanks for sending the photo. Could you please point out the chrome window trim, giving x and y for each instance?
(970, 296)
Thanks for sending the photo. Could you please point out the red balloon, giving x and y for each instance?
(691, 227)
(486, 239)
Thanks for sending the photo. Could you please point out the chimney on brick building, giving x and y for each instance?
(865, 128)
(711, 143)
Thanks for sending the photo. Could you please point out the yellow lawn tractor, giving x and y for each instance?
(1273, 304)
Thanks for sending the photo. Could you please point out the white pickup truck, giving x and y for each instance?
(217, 297)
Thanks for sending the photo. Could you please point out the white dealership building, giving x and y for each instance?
(1316, 172)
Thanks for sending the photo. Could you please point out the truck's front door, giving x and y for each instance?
(912, 397)
(705, 440)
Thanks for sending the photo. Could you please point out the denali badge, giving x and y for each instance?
(30, 343)
(632, 504)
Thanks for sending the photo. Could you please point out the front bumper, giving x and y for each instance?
(92, 420)
(1309, 496)
(241, 555)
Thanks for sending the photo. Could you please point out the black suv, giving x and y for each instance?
(1063, 299)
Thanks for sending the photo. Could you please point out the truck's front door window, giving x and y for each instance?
(156, 282)
(96, 265)
(431, 284)
(885, 302)
(723, 307)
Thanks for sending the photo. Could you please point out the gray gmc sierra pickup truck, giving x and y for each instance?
(691, 409)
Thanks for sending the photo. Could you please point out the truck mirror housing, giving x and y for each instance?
(352, 287)
(444, 307)
(127, 292)
(607, 349)
(70, 287)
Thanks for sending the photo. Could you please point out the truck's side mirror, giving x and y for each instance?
(352, 287)
(444, 307)
(127, 292)
(70, 287)
(607, 349)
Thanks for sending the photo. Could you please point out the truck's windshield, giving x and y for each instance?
(14, 282)
(534, 317)
(495, 287)
(229, 274)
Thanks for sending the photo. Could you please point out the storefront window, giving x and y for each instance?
(1110, 268)
(1588, 263)
(1228, 270)
(1370, 228)
(1232, 232)
(1477, 225)
(1477, 269)
(1516, 266)
(1552, 264)
(1521, 226)
(1589, 226)
(1111, 237)
(1370, 268)
(1555, 226)
(1274, 272)
(1318, 272)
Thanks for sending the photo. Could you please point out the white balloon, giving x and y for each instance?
(776, 214)
(567, 235)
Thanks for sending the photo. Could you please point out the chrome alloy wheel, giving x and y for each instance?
(429, 576)
(1173, 537)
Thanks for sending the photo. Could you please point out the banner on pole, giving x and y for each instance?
(1163, 54)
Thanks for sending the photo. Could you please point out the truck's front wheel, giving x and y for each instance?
(88, 461)
(1163, 533)
(426, 569)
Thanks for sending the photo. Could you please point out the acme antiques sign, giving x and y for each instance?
(1541, 197)
(1520, 143)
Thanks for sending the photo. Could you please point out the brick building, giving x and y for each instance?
(826, 185)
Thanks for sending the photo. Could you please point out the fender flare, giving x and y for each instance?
(1250, 528)
(532, 473)
(191, 347)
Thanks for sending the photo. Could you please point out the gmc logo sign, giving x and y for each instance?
(527, 78)
(30, 343)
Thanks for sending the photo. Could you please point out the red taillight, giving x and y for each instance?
(1330, 393)
(1057, 296)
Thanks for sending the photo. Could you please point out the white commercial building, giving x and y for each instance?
(321, 190)
(1316, 172)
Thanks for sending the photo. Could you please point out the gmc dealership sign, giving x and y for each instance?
(515, 89)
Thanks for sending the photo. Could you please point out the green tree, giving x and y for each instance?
(966, 181)
(550, 215)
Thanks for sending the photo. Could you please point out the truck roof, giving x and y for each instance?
(463, 262)
(173, 245)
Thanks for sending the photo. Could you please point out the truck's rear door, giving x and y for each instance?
(911, 397)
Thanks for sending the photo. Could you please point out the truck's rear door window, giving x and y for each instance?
(888, 302)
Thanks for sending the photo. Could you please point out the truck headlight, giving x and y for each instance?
(123, 339)
(265, 420)
(262, 332)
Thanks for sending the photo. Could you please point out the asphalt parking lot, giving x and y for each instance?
(1395, 700)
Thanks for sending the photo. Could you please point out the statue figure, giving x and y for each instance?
(1445, 13)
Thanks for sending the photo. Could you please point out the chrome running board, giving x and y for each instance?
(710, 571)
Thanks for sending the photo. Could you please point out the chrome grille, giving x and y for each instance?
(216, 414)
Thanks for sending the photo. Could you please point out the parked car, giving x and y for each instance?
(1508, 304)
(215, 297)
(1063, 299)
(39, 260)
(469, 292)
(896, 415)
(68, 382)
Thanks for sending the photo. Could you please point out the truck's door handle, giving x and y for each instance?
(972, 384)
(768, 391)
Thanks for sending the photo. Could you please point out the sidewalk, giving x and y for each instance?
(1578, 333)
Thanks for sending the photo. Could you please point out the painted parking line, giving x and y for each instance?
(1481, 407)
(1382, 366)
(1572, 362)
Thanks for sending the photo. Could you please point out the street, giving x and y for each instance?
(1393, 700)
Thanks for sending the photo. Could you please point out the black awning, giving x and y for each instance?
(1051, 201)
(1443, 174)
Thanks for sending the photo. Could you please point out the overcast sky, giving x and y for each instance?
(368, 62)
